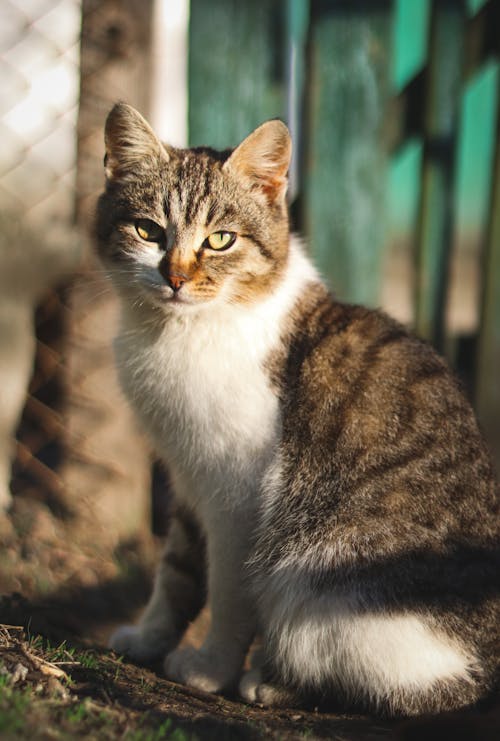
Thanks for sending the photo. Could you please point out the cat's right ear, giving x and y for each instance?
(131, 144)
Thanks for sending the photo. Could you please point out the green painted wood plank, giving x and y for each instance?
(488, 358)
(476, 149)
(343, 205)
(410, 29)
(435, 222)
(297, 17)
(235, 69)
(482, 37)
(474, 6)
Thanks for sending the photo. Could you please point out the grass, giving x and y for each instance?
(63, 654)
(164, 731)
(41, 687)
(25, 715)
(14, 705)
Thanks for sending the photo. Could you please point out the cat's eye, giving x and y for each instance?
(149, 230)
(220, 240)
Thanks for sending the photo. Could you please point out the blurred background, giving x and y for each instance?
(395, 183)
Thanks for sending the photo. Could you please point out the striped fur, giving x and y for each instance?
(342, 500)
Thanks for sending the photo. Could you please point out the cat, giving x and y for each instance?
(333, 493)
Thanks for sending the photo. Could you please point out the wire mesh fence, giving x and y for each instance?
(39, 66)
(39, 69)
(62, 64)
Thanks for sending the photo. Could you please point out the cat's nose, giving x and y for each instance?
(172, 274)
(176, 281)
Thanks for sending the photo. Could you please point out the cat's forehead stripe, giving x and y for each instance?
(212, 212)
(194, 183)
(199, 196)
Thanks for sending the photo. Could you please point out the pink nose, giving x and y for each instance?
(176, 281)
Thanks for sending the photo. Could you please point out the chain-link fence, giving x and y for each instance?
(39, 70)
(39, 67)
(71, 442)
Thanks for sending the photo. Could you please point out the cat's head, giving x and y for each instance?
(189, 227)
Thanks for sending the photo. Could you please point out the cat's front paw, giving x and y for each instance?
(201, 669)
(254, 690)
(140, 645)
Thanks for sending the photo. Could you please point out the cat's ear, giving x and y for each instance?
(263, 159)
(131, 144)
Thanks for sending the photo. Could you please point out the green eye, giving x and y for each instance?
(220, 240)
(149, 230)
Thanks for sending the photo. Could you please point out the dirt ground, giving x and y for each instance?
(58, 681)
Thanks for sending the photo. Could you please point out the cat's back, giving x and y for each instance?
(384, 424)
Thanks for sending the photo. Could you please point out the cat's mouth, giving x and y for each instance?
(165, 297)
(182, 299)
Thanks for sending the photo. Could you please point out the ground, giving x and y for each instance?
(69, 691)
(59, 682)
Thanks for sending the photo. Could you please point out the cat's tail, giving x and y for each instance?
(386, 661)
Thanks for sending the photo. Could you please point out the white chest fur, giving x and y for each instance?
(199, 385)
(199, 388)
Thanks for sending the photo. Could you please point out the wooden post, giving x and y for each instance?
(235, 69)
(345, 162)
(107, 471)
(296, 26)
(435, 222)
(488, 358)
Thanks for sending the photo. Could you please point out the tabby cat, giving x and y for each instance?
(333, 492)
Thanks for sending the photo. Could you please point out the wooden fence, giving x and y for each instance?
(326, 67)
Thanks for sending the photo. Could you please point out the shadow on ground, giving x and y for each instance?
(58, 682)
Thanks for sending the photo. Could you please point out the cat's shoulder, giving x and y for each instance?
(323, 325)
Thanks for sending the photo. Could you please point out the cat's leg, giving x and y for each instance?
(217, 664)
(178, 595)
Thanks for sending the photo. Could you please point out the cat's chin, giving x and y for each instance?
(178, 301)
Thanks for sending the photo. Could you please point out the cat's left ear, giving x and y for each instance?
(263, 158)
